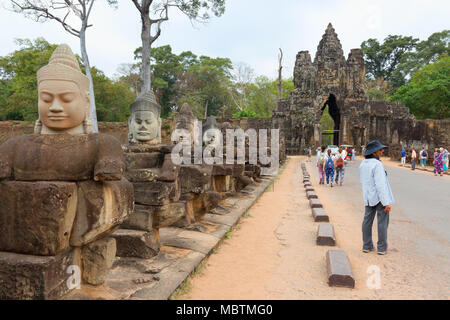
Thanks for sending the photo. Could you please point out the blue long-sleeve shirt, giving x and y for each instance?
(374, 183)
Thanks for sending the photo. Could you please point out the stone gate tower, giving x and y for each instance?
(331, 79)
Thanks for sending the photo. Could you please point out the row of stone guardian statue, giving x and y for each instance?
(72, 200)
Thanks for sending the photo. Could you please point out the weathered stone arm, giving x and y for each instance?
(110, 162)
(6, 156)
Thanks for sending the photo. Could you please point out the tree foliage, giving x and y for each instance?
(428, 93)
(18, 85)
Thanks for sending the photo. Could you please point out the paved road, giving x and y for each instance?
(422, 198)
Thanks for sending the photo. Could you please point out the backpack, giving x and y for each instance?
(340, 162)
(330, 164)
(321, 159)
(424, 153)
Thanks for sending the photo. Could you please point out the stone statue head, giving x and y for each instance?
(212, 134)
(144, 123)
(63, 95)
(185, 120)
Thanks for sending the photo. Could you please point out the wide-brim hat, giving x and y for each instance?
(374, 146)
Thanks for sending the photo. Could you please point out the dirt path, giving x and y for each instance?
(272, 254)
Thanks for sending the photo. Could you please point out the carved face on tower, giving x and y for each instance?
(212, 134)
(63, 100)
(144, 123)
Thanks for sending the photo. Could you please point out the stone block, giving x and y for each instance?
(102, 207)
(64, 157)
(31, 277)
(195, 178)
(307, 184)
(156, 193)
(36, 217)
(311, 195)
(142, 218)
(319, 215)
(97, 259)
(339, 269)
(325, 235)
(238, 170)
(222, 183)
(309, 188)
(169, 214)
(222, 170)
(315, 203)
(138, 244)
(144, 160)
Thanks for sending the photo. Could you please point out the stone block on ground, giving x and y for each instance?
(325, 235)
(307, 184)
(311, 195)
(139, 244)
(339, 269)
(97, 259)
(320, 215)
(30, 277)
(315, 203)
(36, 217)
(181, 238)
(309, 188)
(102, 207)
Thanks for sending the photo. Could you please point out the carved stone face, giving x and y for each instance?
(61, 105)
(144, 126)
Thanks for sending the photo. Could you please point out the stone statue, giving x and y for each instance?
(212, 135)
(144, 122)
(186, 120)
(62, 191)
(63, 95)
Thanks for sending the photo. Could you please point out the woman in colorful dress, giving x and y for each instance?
(438, 164)
(328, 167)
(445, 159)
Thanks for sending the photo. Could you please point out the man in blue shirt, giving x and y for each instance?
(377, 196)
(403, 154)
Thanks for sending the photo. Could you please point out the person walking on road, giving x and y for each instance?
(445, 160)
(377, 196)
(308, 154)
(403, 159)
(413, 159)
(438, 163)
(329, 168)
(423, 157)
(339, 164)
(320, 163)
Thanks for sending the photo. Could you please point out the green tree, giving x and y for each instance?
(382, 59)
(427, 95)
(18, 94)
(113, 98)
(18, 86)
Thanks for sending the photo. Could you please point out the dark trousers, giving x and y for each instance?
(383, 222)
(413, 164)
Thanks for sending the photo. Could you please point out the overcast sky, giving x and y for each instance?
(250, 31)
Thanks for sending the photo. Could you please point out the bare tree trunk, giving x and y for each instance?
(206, 109)
(280, 67)
(146, 47)
(87, 66)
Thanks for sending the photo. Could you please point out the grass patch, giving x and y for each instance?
(228, 234)
(186, 286)
(247, 215)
